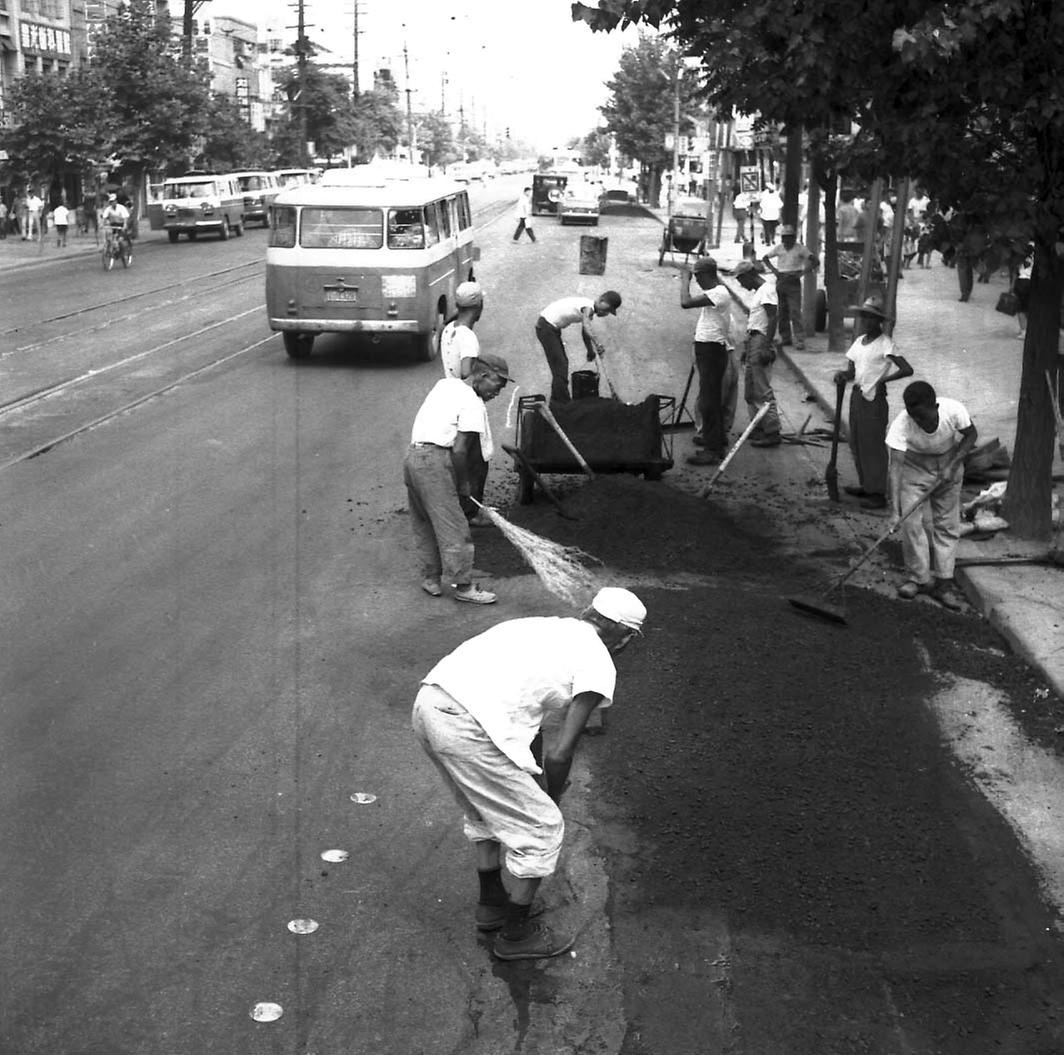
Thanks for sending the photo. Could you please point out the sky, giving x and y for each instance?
(522, 64)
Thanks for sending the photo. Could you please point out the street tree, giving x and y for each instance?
(640, 110)
(332, 123)
(435, 139)
(964, 96)
(158, 105)
(58, 125)
(232, 144)
(595, 148)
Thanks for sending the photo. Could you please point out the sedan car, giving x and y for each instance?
(580, 204)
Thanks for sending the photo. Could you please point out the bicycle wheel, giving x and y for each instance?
(108, 258)
(127, 255)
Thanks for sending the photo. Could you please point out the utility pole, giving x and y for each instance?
(186, 31)
(301, 56)
(409, 114)
(354, 66)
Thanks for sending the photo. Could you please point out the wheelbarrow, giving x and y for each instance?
(684, 233)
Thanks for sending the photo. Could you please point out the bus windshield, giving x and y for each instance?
(341, 229)
(188, 190)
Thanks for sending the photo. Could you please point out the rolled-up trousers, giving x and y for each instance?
(929, 537)
(441, 531)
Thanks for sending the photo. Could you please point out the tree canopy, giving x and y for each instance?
(964, 96)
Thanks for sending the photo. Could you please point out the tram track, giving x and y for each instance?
(132, 295)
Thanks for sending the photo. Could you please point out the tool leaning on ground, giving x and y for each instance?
(754, 422)
(831, 473)
(519, 458)
(553, 422)
(818, 604)
(597, 349)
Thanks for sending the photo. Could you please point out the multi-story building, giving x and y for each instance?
(238, 63)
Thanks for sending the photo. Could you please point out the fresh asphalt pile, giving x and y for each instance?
(781, 778)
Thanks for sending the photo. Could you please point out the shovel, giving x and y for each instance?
(754, 422)
(831, 474)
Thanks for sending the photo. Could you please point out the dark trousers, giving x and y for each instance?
(965, 275)
(868, 439)
(769, 229)
(550, 337)
(522, 226)
(789, 292)
(711, 359)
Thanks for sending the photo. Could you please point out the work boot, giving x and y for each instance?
(432, 587)
(946, 595)
(492, 917)
(770, 440)
(855, 490)
(705, 457)
(538, 942)
(473, 595)
(873, 501)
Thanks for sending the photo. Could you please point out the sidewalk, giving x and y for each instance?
(968, 352)
(17, 254)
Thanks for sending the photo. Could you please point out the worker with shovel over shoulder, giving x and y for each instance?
(872, 362)
(928, 443)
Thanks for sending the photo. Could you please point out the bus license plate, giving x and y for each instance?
(343, 296)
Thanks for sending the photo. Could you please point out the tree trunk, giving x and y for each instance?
(812, 243)
(792, 176)
(830, 265)
(1028, 499)
(138, 199)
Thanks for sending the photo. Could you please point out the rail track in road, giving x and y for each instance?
(39, 398)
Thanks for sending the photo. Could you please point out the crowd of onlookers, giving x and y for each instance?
(27, 215)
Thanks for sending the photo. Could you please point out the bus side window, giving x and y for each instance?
(283, 228)
(446, 226)
(432, 224)
(406, 229)
(465, 219)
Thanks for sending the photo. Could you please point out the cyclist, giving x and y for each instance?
(115, 221)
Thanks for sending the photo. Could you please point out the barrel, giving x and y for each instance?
(585, 384)
(593, 254)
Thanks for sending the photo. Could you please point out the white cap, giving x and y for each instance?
(468, 295)
(621, 606)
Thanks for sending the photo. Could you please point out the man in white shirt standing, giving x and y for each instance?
(794, 262)
(871, 363)
(712, 330)
(770, 206)
(458, 343)
(478, 716)
(554, 318)
(928, 443)
(451, 423)
(759, 353)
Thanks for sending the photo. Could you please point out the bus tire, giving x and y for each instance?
(192, 235)
(225, 232)
(238, 230)
(820, 315)
(173, 236)
(266, 220)
(297, 345)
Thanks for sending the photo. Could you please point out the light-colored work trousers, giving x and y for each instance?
(501, 802)
(757, 382)
(441, 531)
(929, 537)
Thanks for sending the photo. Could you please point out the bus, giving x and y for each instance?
(198, 203)
(378, 257)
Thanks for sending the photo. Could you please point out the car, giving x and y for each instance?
(579, 204)
(259, 188)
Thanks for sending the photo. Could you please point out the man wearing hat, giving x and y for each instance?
(759, 353)
(712, 331)
(450, 431)
(873, 361)
(478, 715)
(794, 262)
(458, 344)
(554, 318)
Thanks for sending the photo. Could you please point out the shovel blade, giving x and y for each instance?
(819, 607)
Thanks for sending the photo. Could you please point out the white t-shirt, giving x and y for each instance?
(564, 312)
(457, 343)
(771, 205)
(712, 325)
(870, 363)
(61, 216)
(757, 300)
(524, 209)
(516, 673)
(905, 435)
(450, 407)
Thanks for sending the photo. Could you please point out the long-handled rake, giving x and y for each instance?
(819, 604)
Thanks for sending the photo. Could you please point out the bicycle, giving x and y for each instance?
(117, 246)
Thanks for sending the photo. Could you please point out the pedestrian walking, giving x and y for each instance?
(61, 219)
(524, 216)
(969, 243)
(872, 362)
(928, 443)
(770, 206)
(568, 311)
(712, 330)
(759, 353)
(451, 420)
(741, 210)
(795, 262)
(479, 715)
(846, 217)
(3, 219)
